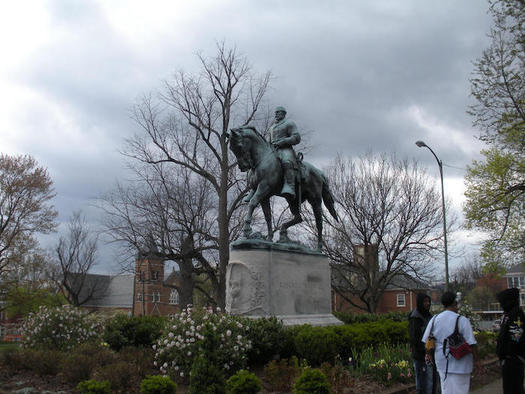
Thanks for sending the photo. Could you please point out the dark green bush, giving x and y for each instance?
(324, 344)
(268, 338)
(206, 377)
(243, 382)
(317, 344)
(140, 358)
(280, 375)
(42, 362)
(121, 375)
(311, 381)
(82, 362)
(94, 387)
(352, 318)
(123, 330)
(158, 384)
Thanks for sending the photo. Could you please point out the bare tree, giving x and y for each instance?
(464, 276)
(76, 253)
(189, 128)
(390, 218)
(170, 212)
(26, 191)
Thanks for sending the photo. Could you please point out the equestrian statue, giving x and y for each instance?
(274, 169)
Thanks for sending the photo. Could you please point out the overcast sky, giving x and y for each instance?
(361, 75)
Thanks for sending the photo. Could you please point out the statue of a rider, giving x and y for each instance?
(283, 136)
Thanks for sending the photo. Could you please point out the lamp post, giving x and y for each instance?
(421, 144)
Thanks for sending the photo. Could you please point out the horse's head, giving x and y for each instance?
(239, 147)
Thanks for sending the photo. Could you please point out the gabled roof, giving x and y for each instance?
(516, 269)
(406, 281)
(109, 291)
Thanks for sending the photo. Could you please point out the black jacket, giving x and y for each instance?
(511, 338)
(417, 322)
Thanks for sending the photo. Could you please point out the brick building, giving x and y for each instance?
(399, 296)
(154, 295)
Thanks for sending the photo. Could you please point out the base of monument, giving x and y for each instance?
(313, 320)
(292, 285)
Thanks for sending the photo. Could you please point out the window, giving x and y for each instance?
(139, 296)
(140, 277)
(522, 299)
(516, 281)
(401, 300)
(174, 297)
(154, 275)
(156, 297)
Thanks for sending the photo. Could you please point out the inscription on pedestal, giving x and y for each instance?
(292, 286)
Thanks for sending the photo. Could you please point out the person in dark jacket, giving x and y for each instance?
(417, 322)
(511, 342)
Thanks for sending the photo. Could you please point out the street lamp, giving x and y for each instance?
(421, 144)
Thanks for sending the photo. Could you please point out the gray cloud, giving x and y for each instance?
(350, 71)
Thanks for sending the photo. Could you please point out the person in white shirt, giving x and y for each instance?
(454, 374)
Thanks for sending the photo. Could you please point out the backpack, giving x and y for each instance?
(457, 345)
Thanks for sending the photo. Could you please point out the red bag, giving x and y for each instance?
(457, 346)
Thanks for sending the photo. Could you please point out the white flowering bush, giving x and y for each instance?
(59, 328)
(186, 335)
(465, 309)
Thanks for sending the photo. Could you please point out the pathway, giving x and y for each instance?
(492, 388)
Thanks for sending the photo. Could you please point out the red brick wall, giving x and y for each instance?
(388, 302)
(148, 285)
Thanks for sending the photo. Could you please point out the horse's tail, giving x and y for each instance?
(328, 199)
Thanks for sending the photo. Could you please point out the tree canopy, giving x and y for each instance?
(26, 191)
(496, 184)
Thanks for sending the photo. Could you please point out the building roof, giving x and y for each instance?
(516, 269)
(108, 291)
(406, 281)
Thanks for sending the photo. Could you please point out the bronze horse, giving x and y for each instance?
(256, 155)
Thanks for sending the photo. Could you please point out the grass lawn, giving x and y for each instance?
(6, 346)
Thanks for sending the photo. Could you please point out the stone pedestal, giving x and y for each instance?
(294, 286)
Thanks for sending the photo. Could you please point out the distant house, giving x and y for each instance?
(399, 296)
(105, 293)
(515, 277)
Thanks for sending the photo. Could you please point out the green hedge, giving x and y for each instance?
(325, 344)
(352, 318)
(140, 331)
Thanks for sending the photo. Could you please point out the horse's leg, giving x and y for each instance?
(318, 214)
(261, 193)
(294, 209)
(267, 210)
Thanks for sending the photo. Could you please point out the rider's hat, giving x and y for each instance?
(280, 109)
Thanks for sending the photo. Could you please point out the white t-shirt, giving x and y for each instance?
(444, 325)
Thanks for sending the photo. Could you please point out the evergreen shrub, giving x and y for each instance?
(94, 387)
(268, 338)
(324, 344)
(206, 377)
(243, 382)
(280, 375)
(140, 331)
(157, 384)
(311, 381)
(352, 318)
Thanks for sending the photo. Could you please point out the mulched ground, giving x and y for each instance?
(28, 382)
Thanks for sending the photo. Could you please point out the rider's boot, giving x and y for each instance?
(289, 181)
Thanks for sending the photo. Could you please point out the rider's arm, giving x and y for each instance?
(293, 136)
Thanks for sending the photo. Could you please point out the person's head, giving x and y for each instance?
(509, 299)
(280, 113)
(448, 299)
(423, 303)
